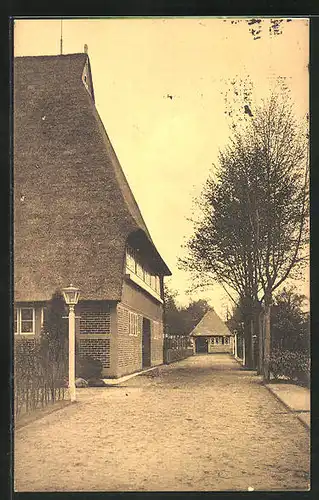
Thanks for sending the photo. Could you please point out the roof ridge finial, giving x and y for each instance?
(86, 49)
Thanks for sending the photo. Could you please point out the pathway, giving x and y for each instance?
(202, 424)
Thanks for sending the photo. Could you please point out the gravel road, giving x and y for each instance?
(203, 424)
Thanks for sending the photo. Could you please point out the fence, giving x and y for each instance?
(39, 375)
(176, 347)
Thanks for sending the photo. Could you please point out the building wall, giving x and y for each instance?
(134, 297)
(95, 318)
(220, 347)
(102, 330)
(97, 348)
(96, 333)
(130, 346)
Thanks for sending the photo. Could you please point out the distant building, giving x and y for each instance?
(76, 220)
(211, 335)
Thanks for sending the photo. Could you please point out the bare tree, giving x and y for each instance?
(221, 247)
(253, 224)
(273, 153)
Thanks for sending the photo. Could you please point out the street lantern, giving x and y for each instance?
(71, 296)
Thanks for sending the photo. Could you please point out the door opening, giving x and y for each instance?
(201, 344)
(146, 343)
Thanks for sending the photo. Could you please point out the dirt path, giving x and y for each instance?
(201, 424)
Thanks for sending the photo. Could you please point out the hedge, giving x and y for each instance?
(293, 365)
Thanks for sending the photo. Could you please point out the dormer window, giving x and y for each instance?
(139, 270)
(131, 259)
(147, 277)
(135, 266)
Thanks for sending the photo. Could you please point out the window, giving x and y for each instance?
(139, 270)
(216, 340)
(134, 265)
(27, 320)
(153, 282)
(157, 284)
(133, 325)
(226, 340)
(24, 320)
(131, 260)
(147, 277)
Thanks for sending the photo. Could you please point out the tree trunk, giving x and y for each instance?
(267, 339)
(252, 344)
(248, 342)
(259, 321)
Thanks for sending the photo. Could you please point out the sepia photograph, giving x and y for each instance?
(161, 297)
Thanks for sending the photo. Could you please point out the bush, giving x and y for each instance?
(88, 367)
(293, 365)
(38, 377)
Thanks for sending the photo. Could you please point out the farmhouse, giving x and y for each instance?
(76, 220)
(211, 335)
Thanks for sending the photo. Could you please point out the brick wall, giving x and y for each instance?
(98, 348)
(129, 346)
(95, 319)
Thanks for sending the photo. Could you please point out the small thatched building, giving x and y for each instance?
(212, 335)
(76, 220)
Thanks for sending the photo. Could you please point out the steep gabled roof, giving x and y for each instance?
(210, 324)
(73, 207)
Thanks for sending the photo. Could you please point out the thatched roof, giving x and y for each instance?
(210, 324)
(73, 208)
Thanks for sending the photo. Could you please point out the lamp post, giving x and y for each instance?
(71, 296)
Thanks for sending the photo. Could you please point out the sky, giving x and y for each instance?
(167, 146)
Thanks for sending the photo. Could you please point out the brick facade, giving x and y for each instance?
(130, 346)
(146, 305)
(97, 348)
(94, 332)
(95, 319)
(129, 349)
(113, 332)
